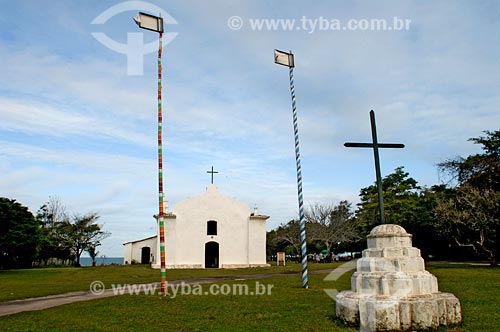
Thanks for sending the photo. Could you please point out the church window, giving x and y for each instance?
(211, 227)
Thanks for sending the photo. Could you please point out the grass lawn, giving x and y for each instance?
(288, 308)
(478, 289)
(19, 284)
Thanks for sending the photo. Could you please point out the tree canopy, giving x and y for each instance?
(482, 170)
(332, 225)
(401, 201)
(19, 235)
(82, 234)
(471, 215)
(51, 238)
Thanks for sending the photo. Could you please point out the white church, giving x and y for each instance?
(207, 231)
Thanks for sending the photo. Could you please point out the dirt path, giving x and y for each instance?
(40, 303)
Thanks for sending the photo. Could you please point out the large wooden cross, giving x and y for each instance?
(212, 172)
(376, 145)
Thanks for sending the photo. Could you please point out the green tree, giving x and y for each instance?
(472, 215)
(273, 245)
(52, 212)
(482, 170)
(82, 234)
(52, 245)
(92, 251)
(19, 235)
(289, 234)
(405, 204)
(400, 193)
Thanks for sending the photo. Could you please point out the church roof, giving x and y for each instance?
(212, 200)
(258, 216)
(140, 240)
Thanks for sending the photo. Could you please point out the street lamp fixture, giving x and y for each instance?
(149, 22)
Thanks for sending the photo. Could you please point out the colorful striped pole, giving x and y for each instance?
(303, 246)
(161, 221)
(155, 23)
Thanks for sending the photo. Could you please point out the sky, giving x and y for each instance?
(78, 116)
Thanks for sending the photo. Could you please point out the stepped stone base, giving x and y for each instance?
(388, 313)
(391, 289)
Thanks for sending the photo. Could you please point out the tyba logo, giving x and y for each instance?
(135, 49)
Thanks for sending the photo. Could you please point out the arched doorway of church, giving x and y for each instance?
(145, 255)
(211, 255)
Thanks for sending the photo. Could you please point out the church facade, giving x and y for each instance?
(207, 231)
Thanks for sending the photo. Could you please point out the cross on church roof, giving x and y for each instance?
(376, 145)
(212, 172)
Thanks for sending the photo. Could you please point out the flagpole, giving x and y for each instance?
(303, 246)
(163, 271)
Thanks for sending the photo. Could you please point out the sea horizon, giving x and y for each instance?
(101, 261)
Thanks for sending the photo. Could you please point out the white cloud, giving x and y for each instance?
(44, 119)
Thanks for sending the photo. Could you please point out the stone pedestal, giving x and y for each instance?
(391, 290)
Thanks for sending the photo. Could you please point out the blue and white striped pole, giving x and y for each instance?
(303, 246)
(286, 59)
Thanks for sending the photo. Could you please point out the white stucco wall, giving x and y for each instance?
(257, 249)
(241, 237)
(192, 217)
(133, 249)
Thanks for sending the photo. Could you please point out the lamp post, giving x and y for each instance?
(286, 59)
(155, 23)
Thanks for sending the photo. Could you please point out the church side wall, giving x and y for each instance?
(133, 250)
(156, 263)
(127, 253)
(170, 242)
(151, 243)
(257, 240)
